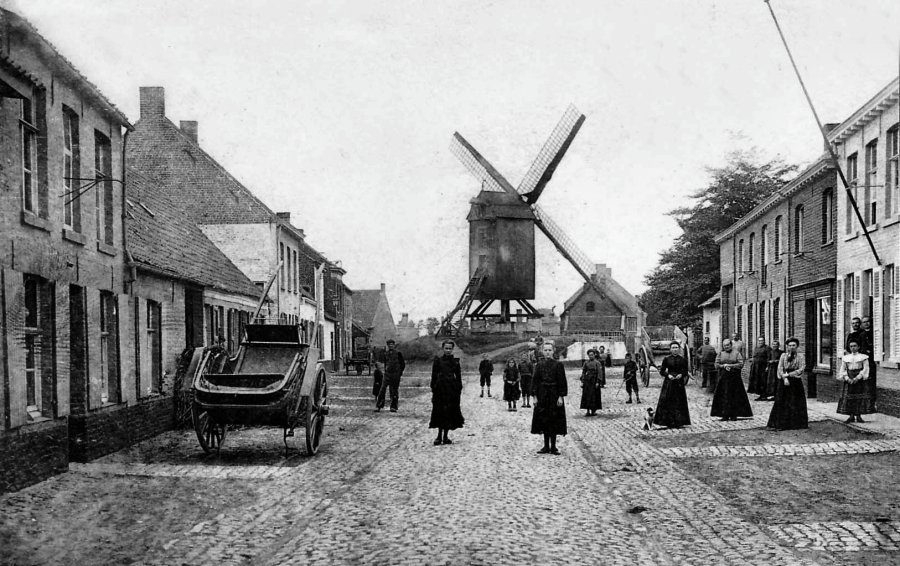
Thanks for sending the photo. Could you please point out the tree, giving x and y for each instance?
(431, 325)
(688, 272)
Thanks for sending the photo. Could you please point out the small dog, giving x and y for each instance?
(648, 419)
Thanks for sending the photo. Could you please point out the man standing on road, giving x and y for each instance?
(707, 355)
(485, 368)
(393, 371)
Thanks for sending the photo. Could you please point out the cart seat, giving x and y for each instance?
(244, 380)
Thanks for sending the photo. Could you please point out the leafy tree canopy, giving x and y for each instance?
(688, 272)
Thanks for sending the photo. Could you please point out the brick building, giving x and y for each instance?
(62, 286)
(250, 234)
(777, 268)
(867, 146)
(372, 313)
(614, 314)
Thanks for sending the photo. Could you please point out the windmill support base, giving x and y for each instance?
(528, 311)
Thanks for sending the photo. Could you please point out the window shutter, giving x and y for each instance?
(126, 347)
(877, 339)
(93, 339)
(63, 351)
(838, 316)
(14, 299)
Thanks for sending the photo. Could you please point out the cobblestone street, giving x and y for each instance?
(379, 492)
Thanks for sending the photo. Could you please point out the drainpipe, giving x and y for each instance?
(127, 254)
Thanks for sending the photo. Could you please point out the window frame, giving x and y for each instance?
(799, 213)
(870, 197)
(71, 157)
(827, 216)
(892, 172)
(103, 191)
(28, 137)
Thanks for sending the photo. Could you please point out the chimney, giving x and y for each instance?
(153, 102)
(382, 287)
(828, 127)
(404, 318)
(602, 272)
(286, 216)
(189, 127)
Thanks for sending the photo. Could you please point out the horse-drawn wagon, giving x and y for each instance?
(274, 380)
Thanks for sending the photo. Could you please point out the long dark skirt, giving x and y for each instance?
(525, 381)
(591, 399)
(548, 418)
(511, 391)
(376, 382)
(730, 400)
(672, 408)
(858, 398)
(789, 410)
(445, 410)
(772, 380)
(757, 384)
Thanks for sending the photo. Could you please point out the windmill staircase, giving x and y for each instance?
(452, 323)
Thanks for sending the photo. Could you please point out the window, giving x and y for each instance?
(28, 140)
(762, 319)
(870, 196)
(778, 237)
(750, 341)
(296, 273)
(71, 171)
(103, 192)
(776, 319)
(740, 258)
(764, 255)
(824, 347)
(590, 306)
(707, 327)
(851, 180)
(281, 251)
(750, 246)
(739, 319)
(892, 175)
(109, 348)
(827, 216)
(32, 346)
(798, 229)
(154, 342)
(290, 270)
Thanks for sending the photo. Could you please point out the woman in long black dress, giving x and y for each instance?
(446, 386)
(772, 371)
(672, 408)
(730, 400)
(591, 375)
(758, 367)
(549, 386)
(789, 411)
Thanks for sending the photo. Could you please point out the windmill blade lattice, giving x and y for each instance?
(551, 154)
(477, 165)
(564, 244)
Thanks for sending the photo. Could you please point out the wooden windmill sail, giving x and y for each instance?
(528, 192)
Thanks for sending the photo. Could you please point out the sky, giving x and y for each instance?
(342, 112)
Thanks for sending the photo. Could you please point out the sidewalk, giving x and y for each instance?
(876, 422)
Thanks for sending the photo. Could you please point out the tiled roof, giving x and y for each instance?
(365, 306)
(163, 239)
(55, 59)
(195, 181)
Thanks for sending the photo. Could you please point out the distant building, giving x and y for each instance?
(406, 329)
(372, 313)
(711, 319)
(613, 314)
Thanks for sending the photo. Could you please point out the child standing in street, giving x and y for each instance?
(485, 369)
(511, 384)
(631, 382)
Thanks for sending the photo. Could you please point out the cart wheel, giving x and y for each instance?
(316, 409)
(210, 433)
(645, 377)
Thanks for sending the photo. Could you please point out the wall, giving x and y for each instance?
(607, 316)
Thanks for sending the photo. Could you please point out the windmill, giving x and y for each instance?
(501, 230)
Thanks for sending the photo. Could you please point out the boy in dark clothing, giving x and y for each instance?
(486, 368)
(631, 383)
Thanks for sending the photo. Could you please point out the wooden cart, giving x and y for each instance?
(274, 380)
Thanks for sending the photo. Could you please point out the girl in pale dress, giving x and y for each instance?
(857, 397)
